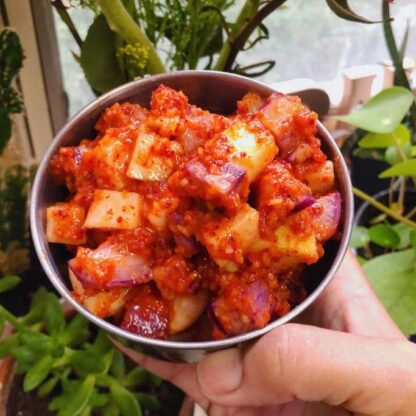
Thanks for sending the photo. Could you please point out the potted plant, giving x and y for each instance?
(385, 233)
(74, 365)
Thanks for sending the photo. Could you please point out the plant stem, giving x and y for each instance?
(402, 190)
(383, 208)
(244, 27)
(243, 16)
(66, 18)
(122, 23)
(400, 77)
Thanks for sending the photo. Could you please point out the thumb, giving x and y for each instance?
(372, 376)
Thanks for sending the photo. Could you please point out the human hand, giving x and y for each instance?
(354, 360)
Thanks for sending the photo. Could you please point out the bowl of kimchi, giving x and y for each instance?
(192, 211)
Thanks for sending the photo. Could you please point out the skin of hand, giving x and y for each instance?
(345, 356)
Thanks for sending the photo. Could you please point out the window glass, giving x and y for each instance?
(306, 40)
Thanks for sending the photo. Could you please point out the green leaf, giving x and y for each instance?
(5, 130)
(361, 260)
(98, 399)
(148, 401)
(375, 154)
(392, 155)
(38, 373)
(11, 56)
(111, 409)
(8, 344)
(384, 235)
(393, 278)
(8, 282)
(403, 232)
(154, 379)
(76, 331)
(54, 315)
(2, 324)
(102, 344)
(138, 375)
(379, 140)
(342, 10)
(86, 411)
(87, 362)
(25, 354)
(126, 402)
(383, 112)
(359, 237)
(36, 339)
(79, 398)
(48, 386)
(406, 168)
(98, 57)
(118, 365)
(403, 45)
(412, 238)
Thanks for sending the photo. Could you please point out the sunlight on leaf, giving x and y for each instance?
(380, 140)
(383, 112)
(392, 155)
(384, 235)
(393, 278)
(406, 168)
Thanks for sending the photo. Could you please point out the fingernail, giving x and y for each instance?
(220, 372)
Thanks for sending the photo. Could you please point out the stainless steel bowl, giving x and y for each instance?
(215, 91)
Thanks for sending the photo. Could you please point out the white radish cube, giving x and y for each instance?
(186, 310)
(64, 224)
(231, 235)
(148, 165)
(105, 304)
(113, 210)
(301, 247)
(254, 148)
(322, 179)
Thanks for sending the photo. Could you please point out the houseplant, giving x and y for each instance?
(129, 39)
(386, 236)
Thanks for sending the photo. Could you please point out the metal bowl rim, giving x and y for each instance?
(38, 234)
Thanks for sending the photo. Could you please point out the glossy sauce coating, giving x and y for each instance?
(190, 225)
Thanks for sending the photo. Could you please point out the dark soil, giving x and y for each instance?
(25, 404)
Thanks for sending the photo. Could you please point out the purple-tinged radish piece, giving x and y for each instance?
(302, 153)
(235, 175)
(305, 202)
(326, 220)
(108, 267)
(243, 307)
(230, 179)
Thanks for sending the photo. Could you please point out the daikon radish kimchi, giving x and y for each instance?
(184, 224)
